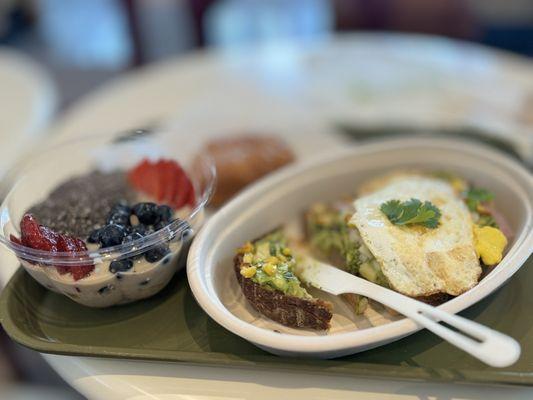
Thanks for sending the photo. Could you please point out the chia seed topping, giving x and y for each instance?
(81, 204)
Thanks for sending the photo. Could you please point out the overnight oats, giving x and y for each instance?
(105, 233)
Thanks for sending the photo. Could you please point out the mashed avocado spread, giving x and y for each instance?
(270, 263)
(331, 235)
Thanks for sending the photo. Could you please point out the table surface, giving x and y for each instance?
(28, 100)
(453, 83)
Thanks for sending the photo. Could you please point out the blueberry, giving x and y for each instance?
(94, 236)
(112, 235)
(164, 213)
(146, 213)
(119, 219)
(160, 225)
(156, 253)
(132, 236)
(119, 215)
(121, 209)
(140, 229)
(120, 266)
(105, 289)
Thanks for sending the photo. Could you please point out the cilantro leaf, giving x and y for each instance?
(487, 220)
(392, 209)
(411, 212)
(473, 197)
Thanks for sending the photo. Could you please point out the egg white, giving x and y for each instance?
(416, 260)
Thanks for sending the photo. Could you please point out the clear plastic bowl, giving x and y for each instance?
(33, 180)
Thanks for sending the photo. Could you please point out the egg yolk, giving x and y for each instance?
(490, 243)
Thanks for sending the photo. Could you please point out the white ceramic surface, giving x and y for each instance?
(261, 208)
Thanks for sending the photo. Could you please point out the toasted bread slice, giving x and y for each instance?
(288, 310)
(331, 221)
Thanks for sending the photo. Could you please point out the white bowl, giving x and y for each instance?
(280, 197)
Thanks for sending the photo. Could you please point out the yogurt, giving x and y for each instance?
(103, 288)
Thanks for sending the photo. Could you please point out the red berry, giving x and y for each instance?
(73, 245)
(191, 200)
(164, 180)
(15, 239)
(42, 238)
(169, 180)
(37, 237)
(182, 193)
(70, 244)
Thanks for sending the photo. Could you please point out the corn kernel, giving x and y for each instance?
(272, 260)
(458, 184)
(248, 272)
(270, 269)
(286, 252)
(246, 248)
(247, 258)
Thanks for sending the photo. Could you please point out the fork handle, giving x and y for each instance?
(491, 347)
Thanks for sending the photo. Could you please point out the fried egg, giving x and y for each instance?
(416, 260)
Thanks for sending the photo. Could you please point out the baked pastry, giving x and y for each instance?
(240, 160)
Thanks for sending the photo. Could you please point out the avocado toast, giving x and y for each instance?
(264, 269)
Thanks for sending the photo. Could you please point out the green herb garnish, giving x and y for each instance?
(411, 212)
(487, 220)
(473, 197)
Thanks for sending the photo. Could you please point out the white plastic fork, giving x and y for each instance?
(491, 347)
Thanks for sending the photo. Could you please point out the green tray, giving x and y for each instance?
(172, 327)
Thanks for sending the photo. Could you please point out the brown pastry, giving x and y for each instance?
(240, 160)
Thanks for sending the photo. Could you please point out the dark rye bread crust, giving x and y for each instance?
(435, 299)
(287, 310)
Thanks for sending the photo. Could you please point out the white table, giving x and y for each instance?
(449, 82)
(28, 101)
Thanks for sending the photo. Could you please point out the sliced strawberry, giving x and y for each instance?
(168, 175)
(65, 245)
(72, 244)
(15, 239)
(151, 182)
(145, 178)
(42, 238)
(191, 200)
(35, 236)
(136, 176)
(68, 244)
(81, 271)
(182, 194)
(161, 184)
(163, 180)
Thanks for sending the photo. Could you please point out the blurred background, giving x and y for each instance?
(56, 54)
(83, 44)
